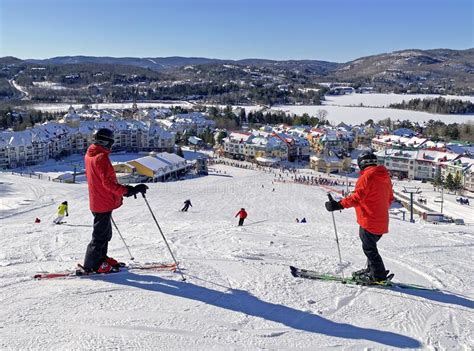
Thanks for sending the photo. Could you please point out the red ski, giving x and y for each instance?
(78, 273)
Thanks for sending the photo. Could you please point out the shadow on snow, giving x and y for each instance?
(243, 302)
(439, 296)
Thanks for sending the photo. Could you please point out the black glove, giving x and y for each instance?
(134, 190)
(333, 205)
(67, 214)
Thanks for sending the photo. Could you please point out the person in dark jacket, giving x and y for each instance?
(187, 203)
(242, 215)
(371, 198)
(105, 195)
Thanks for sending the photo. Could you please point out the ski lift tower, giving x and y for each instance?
(411, 190)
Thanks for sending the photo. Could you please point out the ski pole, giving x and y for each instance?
(163, 236)
(337, 238)
(128, 249)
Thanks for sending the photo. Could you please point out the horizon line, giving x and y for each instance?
(229, 59)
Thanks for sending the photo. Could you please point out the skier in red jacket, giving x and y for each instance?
(242, 215)
(371, 198)
(105, 195)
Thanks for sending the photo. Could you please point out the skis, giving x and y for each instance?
(79, 272)
(308, 274)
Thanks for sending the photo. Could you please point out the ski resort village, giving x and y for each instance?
(204, 175)
(235, 238)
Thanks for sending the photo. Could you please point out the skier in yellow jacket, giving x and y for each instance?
(62, 211)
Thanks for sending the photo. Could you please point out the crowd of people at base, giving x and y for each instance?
(286, 174)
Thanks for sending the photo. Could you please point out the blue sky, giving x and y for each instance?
(333, 30)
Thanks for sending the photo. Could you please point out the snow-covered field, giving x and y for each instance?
(384, 100)
(344, 108)
(357, 115)
(239, 294)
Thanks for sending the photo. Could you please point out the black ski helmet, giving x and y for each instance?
(365, 159)
(104, 137)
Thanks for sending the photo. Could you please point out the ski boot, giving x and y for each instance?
(362, 271)
(106, 267)
(113, 262)
(369, 279)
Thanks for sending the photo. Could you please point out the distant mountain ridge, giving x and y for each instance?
(436, 71)
(163, 63)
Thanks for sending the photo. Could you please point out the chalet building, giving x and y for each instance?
(382, 142)
(156, 167)
(400, 163)
(53, 140)
(428, 163)
(330, 163)
(234, 145)
(420, 164)
(469, 179)
(461, 167)
(265, 144)
(196, 121)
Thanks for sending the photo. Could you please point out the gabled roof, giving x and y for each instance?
(170, 158)
(408, 154)
(435, 156)
(153, 163)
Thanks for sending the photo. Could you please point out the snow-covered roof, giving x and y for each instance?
(153, 163)
(239, 136)
(170, 158)
(408, 154)
(435, 156)
(435, 144)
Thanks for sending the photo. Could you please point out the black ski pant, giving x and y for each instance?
(241, 221)
(101, 235)
(185, 208)
(374, 260)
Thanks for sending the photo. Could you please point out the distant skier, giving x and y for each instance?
(105, 195)
(371, 198)
(303, 220)
(187, 203)
(242, 215)
(62, 211)
(37, 220)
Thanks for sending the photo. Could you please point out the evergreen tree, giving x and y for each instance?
(457, 181)
(438, 180)
(450, 182)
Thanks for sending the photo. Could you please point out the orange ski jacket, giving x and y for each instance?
(105, 193)
(371, 198)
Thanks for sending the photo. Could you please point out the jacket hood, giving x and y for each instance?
(95, 150)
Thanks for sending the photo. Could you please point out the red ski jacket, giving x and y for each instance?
(372, 198)
(105, 194)
(241, 214)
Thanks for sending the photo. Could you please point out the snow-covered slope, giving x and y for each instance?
(239, 293)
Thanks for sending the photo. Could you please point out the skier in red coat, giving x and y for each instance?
(371, 198)
(105, 195)
(242, 215)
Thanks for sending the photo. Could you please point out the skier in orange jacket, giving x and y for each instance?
(371, 199)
